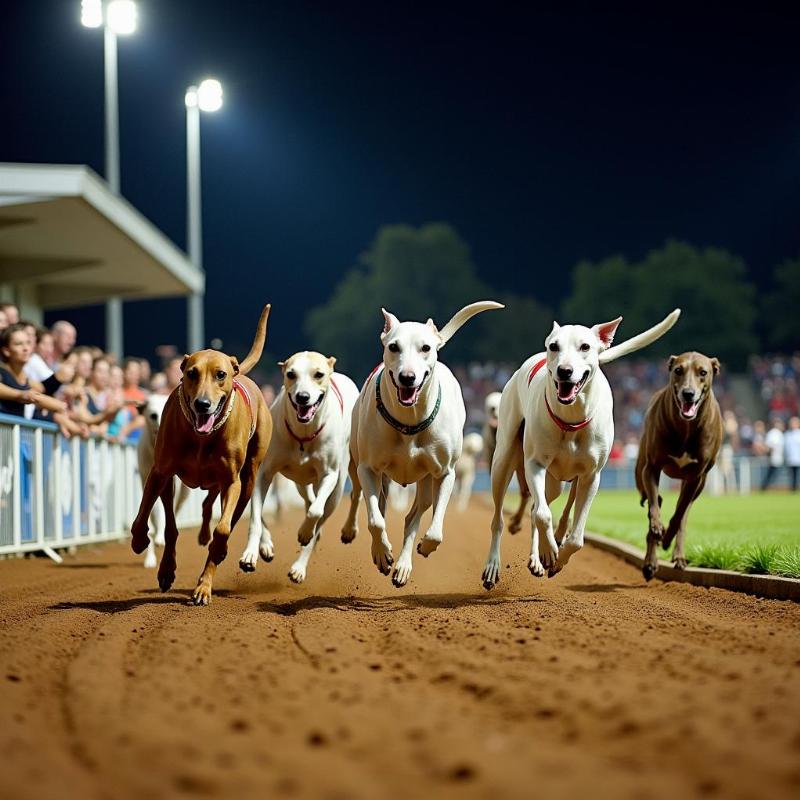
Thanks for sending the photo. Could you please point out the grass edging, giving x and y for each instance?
(773, 587)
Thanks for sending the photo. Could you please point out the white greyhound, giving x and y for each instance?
(408, 426)
(311, 419)
(151, 410)
(563, 401)
(466, 467)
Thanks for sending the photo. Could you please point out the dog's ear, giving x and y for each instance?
(605, 331)
(183, 363)
(234, 364)
(715, 365)
(140, 407)
(432, 325)
(389, 321)
(671, 363)
(332, 362)
(282, 365)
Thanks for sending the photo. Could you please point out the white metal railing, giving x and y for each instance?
(57, 493)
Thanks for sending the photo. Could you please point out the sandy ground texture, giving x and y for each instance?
(592, 684)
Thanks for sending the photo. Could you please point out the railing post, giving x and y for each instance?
(38, 486)
(16, 490)
(58, 518)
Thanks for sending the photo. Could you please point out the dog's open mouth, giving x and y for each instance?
(305, 413)
(688, 408)
(203, 423)
(567, 391)
(408, 395)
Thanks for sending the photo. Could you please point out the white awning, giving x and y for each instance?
(67, 237)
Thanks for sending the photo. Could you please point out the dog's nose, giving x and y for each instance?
(407, 378)
(564, 373)
(202, 405)
(687, 394)
(302, 398)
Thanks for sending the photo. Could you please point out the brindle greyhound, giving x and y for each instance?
(682, 435)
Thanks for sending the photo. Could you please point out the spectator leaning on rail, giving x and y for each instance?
(791, 449)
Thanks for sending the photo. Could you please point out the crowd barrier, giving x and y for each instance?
(57, 493)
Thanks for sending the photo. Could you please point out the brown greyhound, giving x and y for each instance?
(214, 433)
(682, 436)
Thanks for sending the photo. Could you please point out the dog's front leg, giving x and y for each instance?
(218, 548)
(204, 534)
(153, 487)
(381, 548)
(690, 490)
(169, 563)
(315, 510)
(585, 492)
(259, 539)
(422, 502)
(442, 489)
(544, 549)
(648, 477)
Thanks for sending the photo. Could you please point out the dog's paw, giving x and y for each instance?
(680, 562)
(267, 551)
(564, 554)
(203, 537)
(349, 534)
(382, 556)
(201, 595)
(402, 572)
(649, 571)
(548, 554)
(428, 543)
(166, 577)
(515, 525)
(248, 561)
(491, 574)
(306, 533)
(159, 540)
(297, 572)
(150, 560)
(140, 542)
(535, 567)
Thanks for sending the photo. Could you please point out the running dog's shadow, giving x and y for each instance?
(391, 604)
(116, 606)
(604, 587)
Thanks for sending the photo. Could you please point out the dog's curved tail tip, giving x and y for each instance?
(642, 339)
(253, 357)
(466, 313)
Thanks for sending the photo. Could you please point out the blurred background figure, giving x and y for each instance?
(774, 443)
(791, 443)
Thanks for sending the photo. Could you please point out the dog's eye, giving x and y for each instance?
(291, 375)
(678, 370)
(191, 374)
(585, 348)
(394, 347)
(426, 348)
(318, 376)
(220, 375)
(553, 347)
(703, 373)
(154, 417)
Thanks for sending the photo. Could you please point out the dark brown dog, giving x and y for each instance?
(214, 434)
(682, 436)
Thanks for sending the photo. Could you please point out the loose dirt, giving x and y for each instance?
(591, 684)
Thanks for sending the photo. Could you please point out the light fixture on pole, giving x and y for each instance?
(207, 96)
(120, 18)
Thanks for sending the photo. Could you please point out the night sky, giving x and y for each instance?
(542, 136)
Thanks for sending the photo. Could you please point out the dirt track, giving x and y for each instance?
(591, 684)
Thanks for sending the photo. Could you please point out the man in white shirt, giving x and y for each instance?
(791, 449)
(774, 442)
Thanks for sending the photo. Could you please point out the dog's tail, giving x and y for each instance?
(253, 357)
(466, 313)
(641, 340)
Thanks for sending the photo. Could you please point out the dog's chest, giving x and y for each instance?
(303, 468)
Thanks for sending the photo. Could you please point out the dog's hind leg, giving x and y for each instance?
(371, 483)
(204, 534)
(515, 523)
(584, 489)
(259, 539)
(316, 508)
(648, 477)
(544, 548)
(350, 527)
(422, 502)
(690, 491)
(505, 458)
(442, 489)
(166, 569)
(563, 522)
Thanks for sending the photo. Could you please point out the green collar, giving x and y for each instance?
(406, 430)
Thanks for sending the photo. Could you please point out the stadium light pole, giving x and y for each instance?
(207, 96)
(118, 18)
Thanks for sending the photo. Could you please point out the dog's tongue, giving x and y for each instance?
(407, 394)
(304, 413)
(688, 408)
(567, 391)
(205, 422)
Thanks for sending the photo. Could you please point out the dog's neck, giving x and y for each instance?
(421, 410)
(304, 430)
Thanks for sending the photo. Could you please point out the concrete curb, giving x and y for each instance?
(772, 587)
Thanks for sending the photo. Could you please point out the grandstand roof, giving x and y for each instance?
(65, 234)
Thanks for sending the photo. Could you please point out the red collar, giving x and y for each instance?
(567, 427)
(245, 395)
(338, 394)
